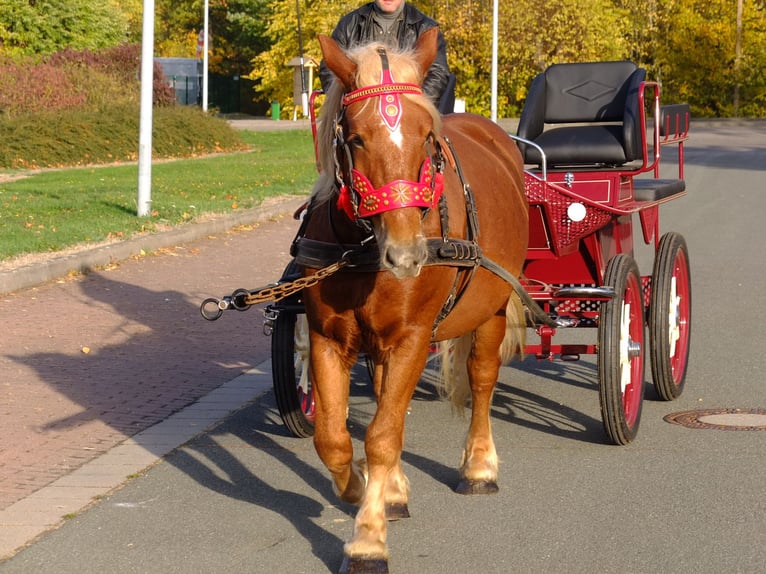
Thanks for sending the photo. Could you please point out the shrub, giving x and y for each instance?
(36, 88)
(76, 79)
(78, 107)
(81, 137)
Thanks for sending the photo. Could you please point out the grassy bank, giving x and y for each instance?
(49, 211)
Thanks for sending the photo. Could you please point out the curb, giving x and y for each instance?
(89, 259)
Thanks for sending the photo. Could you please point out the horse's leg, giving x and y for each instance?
(398, 487)
(332, 441)
(367, 550)
(478, 470)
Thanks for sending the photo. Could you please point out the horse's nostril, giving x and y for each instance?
(405, 260)
(390, 258)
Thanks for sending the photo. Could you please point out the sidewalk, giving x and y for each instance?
(91, 360)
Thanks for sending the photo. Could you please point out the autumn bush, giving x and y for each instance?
(82, 137)
(78, 107)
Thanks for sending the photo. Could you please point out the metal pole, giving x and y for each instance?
(737, 58)
(304, 89)
(494, 62)
(145, 129)
(205, 60)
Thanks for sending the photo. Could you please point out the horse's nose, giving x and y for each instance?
(406, 259)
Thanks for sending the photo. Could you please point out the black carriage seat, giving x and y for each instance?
(599, 103)
(674, 126)
(651, 189)
(446, 104)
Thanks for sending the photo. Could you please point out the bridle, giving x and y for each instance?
(358, 198)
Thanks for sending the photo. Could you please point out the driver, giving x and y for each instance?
(398, 25)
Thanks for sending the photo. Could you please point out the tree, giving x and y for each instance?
(47, 26)
(133, 12)
(688, 45)
(236, 29)
(269, 69)
(532, 35)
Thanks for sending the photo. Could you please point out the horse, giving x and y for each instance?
(413, 203)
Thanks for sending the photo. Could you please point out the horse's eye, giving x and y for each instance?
(355, 140)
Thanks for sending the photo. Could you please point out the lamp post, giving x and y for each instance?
(304, 88)
(145, 128)
(737, 58)
(493, 80)
(205, 47)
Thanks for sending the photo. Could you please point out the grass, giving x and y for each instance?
(49, 211)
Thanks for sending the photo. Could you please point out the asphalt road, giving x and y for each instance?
(246, 497)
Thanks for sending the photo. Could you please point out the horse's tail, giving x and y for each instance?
(515, 330)
(453, 366)
(453, 354)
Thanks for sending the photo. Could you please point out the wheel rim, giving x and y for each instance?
(630, 350)
(678, 317)
(303, 385)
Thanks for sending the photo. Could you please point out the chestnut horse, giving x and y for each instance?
(379, 206)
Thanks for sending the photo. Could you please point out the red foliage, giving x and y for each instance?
(57, 82)
(37, 88)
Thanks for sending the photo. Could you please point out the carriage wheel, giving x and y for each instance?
(369, 364)
(620, 353)
(670, 316)
(290, 371)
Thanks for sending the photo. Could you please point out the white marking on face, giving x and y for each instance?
(396, 137)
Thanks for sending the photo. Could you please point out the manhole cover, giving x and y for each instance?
(721, 419)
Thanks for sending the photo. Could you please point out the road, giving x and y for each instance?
(246, 497)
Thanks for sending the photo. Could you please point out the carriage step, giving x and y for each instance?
(597, 293)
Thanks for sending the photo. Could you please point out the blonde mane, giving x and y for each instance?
(403, 68)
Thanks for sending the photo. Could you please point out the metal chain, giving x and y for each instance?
(282, 290)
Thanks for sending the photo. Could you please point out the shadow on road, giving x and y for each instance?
(221, 470)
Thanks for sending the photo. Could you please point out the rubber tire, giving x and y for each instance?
(669, 366)
(621, 409)
(287, 365)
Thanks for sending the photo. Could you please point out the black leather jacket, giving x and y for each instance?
(356, 28)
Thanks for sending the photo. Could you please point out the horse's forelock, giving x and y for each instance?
(403, 66)
(401, 63)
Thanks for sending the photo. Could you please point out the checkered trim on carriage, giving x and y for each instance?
(574, 306)
(581, 306)
(556, 202)
(646, 290)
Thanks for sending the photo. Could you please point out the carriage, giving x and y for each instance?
(588, 149)
(586, 183)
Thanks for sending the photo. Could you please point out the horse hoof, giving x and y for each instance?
(477, 487)
(359, 565)
(397, 511)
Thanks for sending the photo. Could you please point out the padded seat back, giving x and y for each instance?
(446, 103)
(599, 103)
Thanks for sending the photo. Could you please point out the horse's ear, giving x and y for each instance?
(337, 61)
(426, 49)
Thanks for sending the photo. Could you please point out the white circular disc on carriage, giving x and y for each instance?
(576, 212)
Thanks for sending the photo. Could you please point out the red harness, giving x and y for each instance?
(393, 195)
(361, 199)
